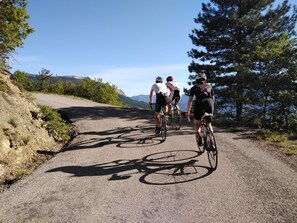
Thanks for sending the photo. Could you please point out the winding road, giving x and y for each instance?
(117, 170)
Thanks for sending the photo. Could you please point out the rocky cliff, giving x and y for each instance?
(22, 133)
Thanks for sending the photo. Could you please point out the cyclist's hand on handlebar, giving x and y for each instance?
(188, 116)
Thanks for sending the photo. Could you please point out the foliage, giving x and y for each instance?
(3, 85)
(13, 27)
(26, 139)
(248, 51)
(24, 81)
(13, 122)
(88, 88)
(43, 78)
(54, 123)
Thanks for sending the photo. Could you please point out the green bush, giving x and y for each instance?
(55, 125)
(3, 85)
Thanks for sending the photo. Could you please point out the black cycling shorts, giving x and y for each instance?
(176, 96)
(160, 102)
(202, 106)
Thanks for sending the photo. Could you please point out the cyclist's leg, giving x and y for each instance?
(169, 101)
(208, 106)
(165, 104)
(176, 100)
(157, 111)
(198, 112)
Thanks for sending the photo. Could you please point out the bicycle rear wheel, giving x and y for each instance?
(200, 144)
(163, 128)
(212, 151)
(176, 119)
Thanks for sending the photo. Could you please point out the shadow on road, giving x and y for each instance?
(123, 137)
(163, 168)
(102, 112)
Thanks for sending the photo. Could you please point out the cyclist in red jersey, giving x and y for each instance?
(174, 94)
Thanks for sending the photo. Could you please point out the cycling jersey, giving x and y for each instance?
(202, 104)
(162, 93)
(160, 88)
(174, 90)
(172, 85)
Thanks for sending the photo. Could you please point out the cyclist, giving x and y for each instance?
(161, 92)
(204, 101)
(174, 94)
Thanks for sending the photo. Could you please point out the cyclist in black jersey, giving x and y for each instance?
(204, 100)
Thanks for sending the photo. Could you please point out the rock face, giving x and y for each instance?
(21, 132)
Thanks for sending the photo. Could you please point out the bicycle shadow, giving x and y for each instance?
(123, 137)
(163, 168)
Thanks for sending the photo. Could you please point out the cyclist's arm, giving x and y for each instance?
(170, 96)
(213, 95)
(189, 105)
(151, 95)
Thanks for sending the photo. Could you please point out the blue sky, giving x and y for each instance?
(127, 43)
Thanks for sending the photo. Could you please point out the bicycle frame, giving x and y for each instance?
(162, 123)
(208, 141)
(175, 119)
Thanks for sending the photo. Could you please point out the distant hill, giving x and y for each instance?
(133, 103)
(141, 97)
(55, 79)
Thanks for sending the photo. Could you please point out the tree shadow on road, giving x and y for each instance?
(103, 112)
(163, 168)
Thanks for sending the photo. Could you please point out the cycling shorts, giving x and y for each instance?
(161, 101)
(176, 96)
(202, 106)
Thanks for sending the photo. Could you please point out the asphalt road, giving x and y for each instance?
(116, 170)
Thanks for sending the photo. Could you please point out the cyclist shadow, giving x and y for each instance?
(163, 168)
(123, 137)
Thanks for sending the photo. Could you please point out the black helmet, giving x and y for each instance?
(201, 76)
(159, 80)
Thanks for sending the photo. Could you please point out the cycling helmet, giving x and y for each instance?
(201, 76)
(169, 78)
(159, 80)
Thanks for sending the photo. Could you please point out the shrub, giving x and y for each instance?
(54, 124)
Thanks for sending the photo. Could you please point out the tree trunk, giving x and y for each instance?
(239, 107)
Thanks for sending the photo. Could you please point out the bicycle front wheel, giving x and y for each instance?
(177, 120)
(212, 151)
(163, 128)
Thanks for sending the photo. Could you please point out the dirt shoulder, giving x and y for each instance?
(243, 131)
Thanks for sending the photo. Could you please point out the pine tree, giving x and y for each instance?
(13, 27)
(228, 33)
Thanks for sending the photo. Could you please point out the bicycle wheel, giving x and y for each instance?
(200, 144)
(163, 128)
(176, 120)
(212, 151)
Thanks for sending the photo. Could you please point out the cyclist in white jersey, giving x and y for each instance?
(161, 92)
(174, 93)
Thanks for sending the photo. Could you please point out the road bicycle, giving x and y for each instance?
(176, 118)
(162, 126)
(206, 141)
